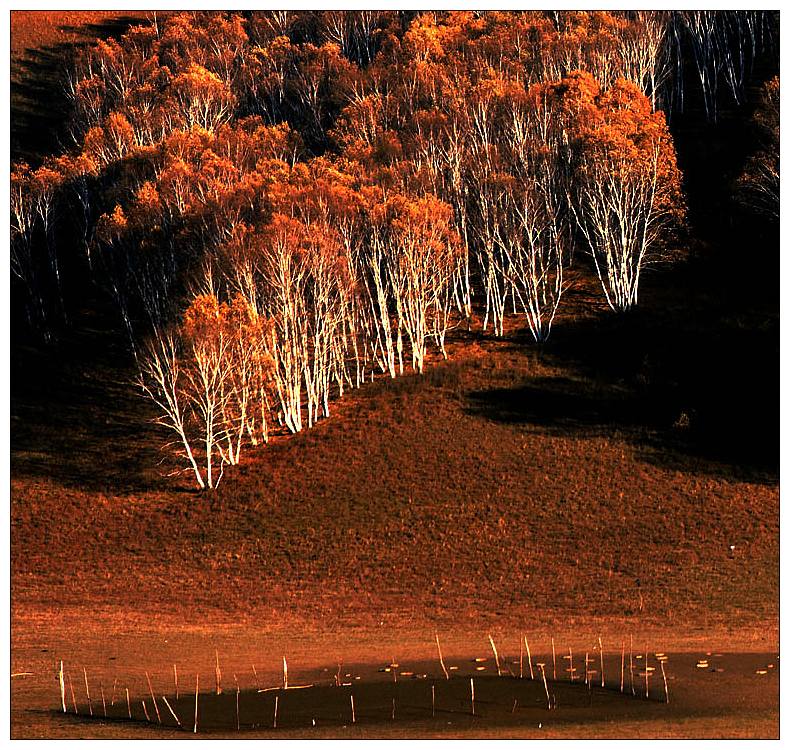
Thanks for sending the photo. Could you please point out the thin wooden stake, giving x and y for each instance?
(217, 673)
(88, 691)
(103, 704)
(276, 706)
(521, 659)
(128, 704)
(433, 700)
(586, 667)
(145, 711)
(664, 675)
(197, 687)
(622, 667)
(570, 656)
(73, 699)
(114, 685)
(393, 708)
(472, 690)
(545, 686)
(647, 678)
(285, 674)
(62, 687)
(170, 708)
(153, 698)
(175, 679)
(529, 659)
(600, 650)
(496, 656)
(631, 664)
(353, 713)
(238, 726)
(553, 658)
(257, 682)
(441, 660)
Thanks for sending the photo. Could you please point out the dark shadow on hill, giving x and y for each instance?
(40, 107)
(76, 417)
(561, 405)
(691, 382)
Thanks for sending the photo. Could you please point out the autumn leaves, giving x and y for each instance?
(626, 195)
(314, 310)
(285, 205)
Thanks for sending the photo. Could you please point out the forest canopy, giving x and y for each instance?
(285, 205)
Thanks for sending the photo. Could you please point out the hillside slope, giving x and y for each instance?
(626, 470)
(507, 483)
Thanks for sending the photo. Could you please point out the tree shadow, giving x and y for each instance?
(40, 107)
(560, 405)
(689, 381)
(77, 418)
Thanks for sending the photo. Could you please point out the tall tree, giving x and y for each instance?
(758, 186)
(626, 193)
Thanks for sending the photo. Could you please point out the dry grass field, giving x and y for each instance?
(622, 479)
(458, 502)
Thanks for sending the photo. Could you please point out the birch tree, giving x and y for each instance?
(420, 265)
(208, 379)
(758, 186)
(162, 380)
(626, 193)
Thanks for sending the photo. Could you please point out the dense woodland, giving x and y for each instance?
(286, 205)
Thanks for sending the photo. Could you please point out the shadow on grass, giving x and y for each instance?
(559, 405)
(690, 382)
(78, 419)
(40, 107)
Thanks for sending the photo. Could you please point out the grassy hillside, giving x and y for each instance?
(507, 483)
(629, 468)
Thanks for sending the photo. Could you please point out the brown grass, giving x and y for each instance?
(595, 485)
(33, 29)
(459, 497)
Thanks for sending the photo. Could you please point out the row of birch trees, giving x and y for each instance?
(339, 283)
(286, 205)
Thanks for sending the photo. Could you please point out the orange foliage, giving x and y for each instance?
(203, 317)
(346, 177)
